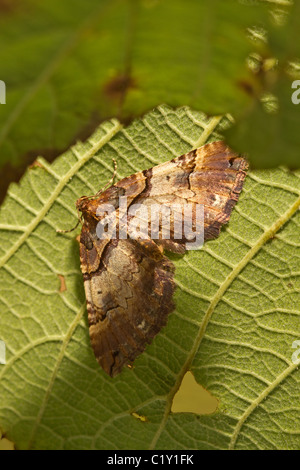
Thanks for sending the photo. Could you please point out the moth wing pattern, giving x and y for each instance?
(129, 296)
(129, 283)
(212, 175)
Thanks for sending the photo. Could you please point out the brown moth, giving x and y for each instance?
(129, 282)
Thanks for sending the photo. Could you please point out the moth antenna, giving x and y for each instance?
(71, 229)
(95, 195)
(107, 184)
(111, 179)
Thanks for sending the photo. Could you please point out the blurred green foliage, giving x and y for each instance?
(70, 65)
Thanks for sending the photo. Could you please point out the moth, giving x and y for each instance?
(129, 281)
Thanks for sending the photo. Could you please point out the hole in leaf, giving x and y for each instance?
(193, 398)
(63, 286)
(6, 444)
(140, 417)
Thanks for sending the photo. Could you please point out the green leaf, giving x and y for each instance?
(268, 131)
(235, 322)
(284, 31)
(268, 128)
(70, 65)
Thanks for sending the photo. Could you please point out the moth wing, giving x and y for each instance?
(129, 283)
(129, 295)
(212, 176)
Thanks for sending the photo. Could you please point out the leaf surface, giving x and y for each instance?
(235, 322)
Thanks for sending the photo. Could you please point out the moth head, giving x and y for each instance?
(81, 203)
